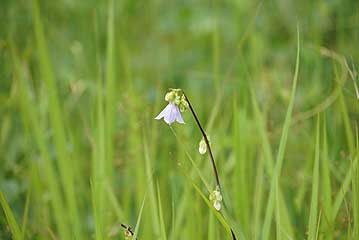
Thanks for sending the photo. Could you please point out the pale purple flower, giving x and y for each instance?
(170, 114)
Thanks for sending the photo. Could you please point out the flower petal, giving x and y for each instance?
(170, 114)
(179, 118)
(164, 112)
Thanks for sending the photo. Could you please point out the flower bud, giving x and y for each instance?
(202, 147)
(216, 198)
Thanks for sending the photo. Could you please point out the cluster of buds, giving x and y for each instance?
(176, 96)
(177, 103)
(216, 198)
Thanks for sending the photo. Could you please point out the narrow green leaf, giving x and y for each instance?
(160, 213)
(98, 173)
(110, 87)
(327, 189)
(280, 156)
(344, 188)
(66, 166)
(137, 227)
(152, 193)
(14, 227)
(216, 213)
(25, 215)
(37, 131)
(269, 165)
(313, 214)
(355, 186)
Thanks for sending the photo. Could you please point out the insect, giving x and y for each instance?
(128, 231)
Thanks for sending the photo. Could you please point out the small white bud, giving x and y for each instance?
(202, 147)
(216, 198)
(217, 205)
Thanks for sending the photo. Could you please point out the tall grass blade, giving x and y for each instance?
(269, 165)
(37, 131)
(66, 167)
(110, 87)
(137, 227)
(25, 215)
(160, 214)
(313, 214)
(355, 186)
(99, 176)
(151, 189)
(14, 227)
(326, 188)
(354, 158)
(280, 156)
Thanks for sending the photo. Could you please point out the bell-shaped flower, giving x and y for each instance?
(177, 103)
(171, 114)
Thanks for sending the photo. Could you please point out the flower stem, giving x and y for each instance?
(205, 139)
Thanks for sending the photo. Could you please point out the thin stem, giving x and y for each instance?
(209, 150)
(206, 140)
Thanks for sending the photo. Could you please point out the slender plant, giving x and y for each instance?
(178, 102)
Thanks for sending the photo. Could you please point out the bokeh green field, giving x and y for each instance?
(81, 153)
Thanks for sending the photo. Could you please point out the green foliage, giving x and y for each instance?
(80, 84)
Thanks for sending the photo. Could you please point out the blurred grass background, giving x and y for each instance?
(80, 84)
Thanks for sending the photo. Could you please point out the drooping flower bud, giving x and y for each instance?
(216, 198)
(202, 148)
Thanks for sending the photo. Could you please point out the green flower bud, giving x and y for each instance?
(170, 96)
(177, 100)
(176, 96)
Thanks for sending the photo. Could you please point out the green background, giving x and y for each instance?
(80, 151)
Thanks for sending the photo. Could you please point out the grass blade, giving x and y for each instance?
(327, 189)
(25, 216)
(110, 87)
(37, 131)
(269, 165)
(355, 186)
(14, 227)
(276, 174)
(216, 213)
(139, 217)
(66, 166)
(160, 213)
(313, 214)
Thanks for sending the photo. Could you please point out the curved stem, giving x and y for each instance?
(206, 140)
